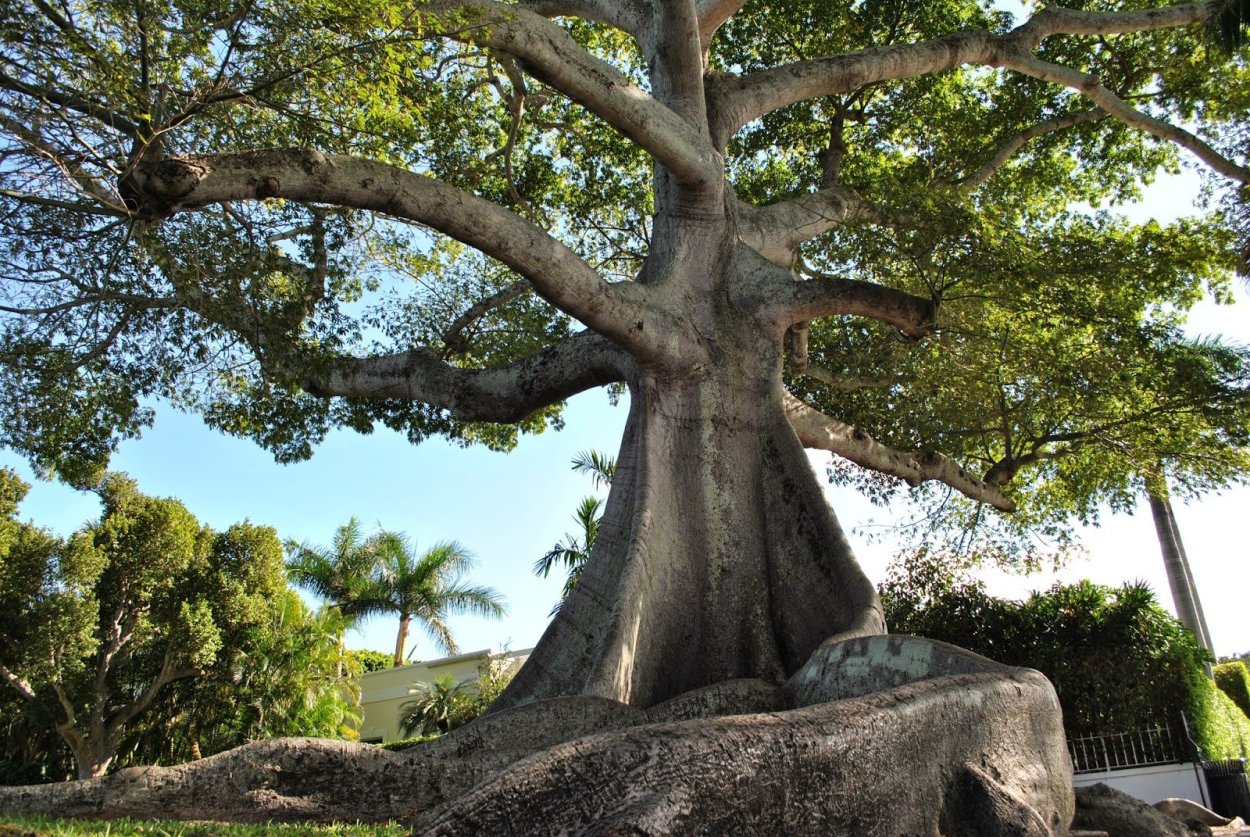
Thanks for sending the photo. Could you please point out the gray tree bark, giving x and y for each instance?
(1180, 579)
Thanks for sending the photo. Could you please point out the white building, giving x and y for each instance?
(383, 692)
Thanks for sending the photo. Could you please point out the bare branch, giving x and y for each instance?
(622, 311)
(505, 394)
(816, 430)
(625, 15)
(453, 338)
(22, 686)
(1013, 145)
(1093, 89)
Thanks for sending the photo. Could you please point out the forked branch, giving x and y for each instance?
(559, 275)
(552, 56)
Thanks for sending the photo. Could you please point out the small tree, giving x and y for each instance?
(94, 628)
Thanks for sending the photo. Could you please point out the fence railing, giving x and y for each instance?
(1139, 748)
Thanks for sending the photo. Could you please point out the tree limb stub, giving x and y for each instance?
(559, 275)
(913, 315)
(506, 394)
(775, 231)
(816, 430)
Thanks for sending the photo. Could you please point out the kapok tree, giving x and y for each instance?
(448, 217)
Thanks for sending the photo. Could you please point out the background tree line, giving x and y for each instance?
(146, 637)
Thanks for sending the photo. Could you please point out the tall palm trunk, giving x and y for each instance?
(1184, 593)
(401, 640)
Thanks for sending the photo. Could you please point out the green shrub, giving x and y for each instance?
(1220, 728)
(1233, 678)
(373, 660)
(1117, 660)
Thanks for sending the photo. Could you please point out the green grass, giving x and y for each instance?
(49, 827)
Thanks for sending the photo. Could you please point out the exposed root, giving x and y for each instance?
(883, 735)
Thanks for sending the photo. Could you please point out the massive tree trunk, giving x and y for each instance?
(718, 556)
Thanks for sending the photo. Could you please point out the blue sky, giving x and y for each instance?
(510, 508)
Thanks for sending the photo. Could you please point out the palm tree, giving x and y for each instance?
(574, 551)
(1181, 581)
(339, 574)
(426, 587)
(434, 707)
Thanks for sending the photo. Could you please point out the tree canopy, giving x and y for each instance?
(940, 160)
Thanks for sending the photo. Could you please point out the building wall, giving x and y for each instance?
(383, 692)
(1153, 784)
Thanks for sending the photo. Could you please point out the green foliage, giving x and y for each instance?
(363, 577)
(1221, 729)
(371, 660)
(1233, 678)
(1117, 660)
(172, 635)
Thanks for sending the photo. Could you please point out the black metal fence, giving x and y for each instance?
(1139, 748)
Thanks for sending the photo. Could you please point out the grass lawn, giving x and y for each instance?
(49, 827)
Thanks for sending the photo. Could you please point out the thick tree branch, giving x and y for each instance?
(1057, 20)
(551, 55)
(22, 686)
(816, 430)
(625, 15)
(713, 13)
(737, 100)
(505, 394)
(559, 275)
(829, 296)
(677, 61)
(740, 99)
